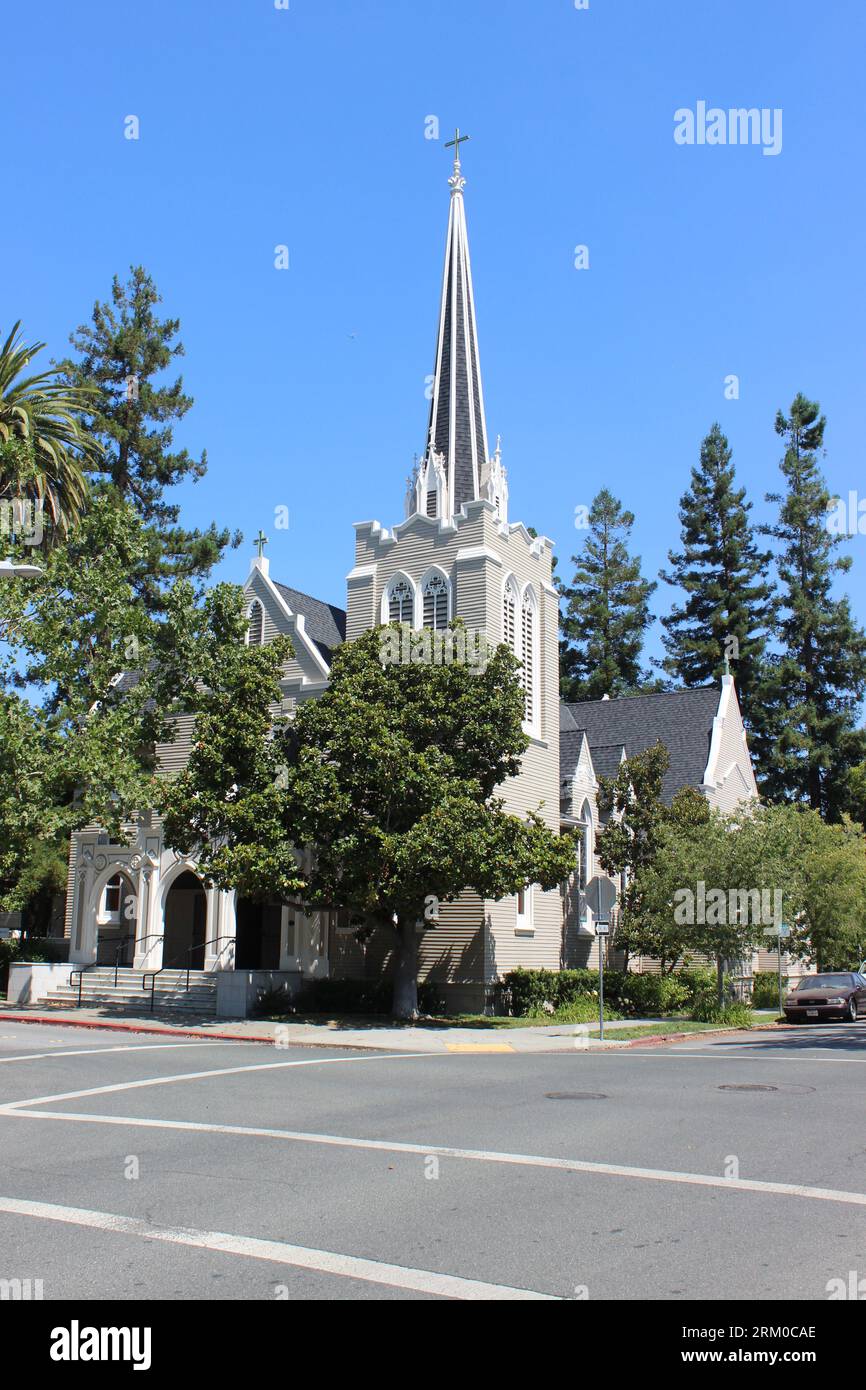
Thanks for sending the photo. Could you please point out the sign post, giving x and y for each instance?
(602, 931)
(780, 933)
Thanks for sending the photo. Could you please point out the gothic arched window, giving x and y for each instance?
(400, 602)
(256, 629)
(527, 655)
(584, 846)
(509, 615)
(435, 593)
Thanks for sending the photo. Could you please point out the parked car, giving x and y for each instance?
(827, 996)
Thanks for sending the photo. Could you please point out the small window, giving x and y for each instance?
(111, 900)
(433, 503)
(524, 922)
(256, 630)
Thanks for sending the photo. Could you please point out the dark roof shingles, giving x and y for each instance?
(681, 719)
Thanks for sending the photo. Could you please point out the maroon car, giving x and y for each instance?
(826, 996)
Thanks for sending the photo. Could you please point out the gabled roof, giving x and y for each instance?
(681, 719)
(606, 758)
(325, 624)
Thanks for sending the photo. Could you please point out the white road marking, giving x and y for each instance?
(711, 1054)
(566, 1165)
(99, 1051)
(216, 1071)
(277, 1252)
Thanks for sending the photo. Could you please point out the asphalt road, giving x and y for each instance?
(132, 1167)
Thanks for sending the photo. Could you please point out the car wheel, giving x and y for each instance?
(852, 1010)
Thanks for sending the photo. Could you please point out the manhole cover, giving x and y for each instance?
(746, 1086)
(574, 1095)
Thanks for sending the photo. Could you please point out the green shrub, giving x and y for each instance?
(765, 989)
(700, 980)
(525, 992)
(583, 1009)
(736, 1015)
(645, 996)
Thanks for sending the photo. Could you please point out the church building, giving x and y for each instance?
(139, 917)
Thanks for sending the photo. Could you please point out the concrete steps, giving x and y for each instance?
(171, 996)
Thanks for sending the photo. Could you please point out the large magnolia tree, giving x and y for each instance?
(390, 780)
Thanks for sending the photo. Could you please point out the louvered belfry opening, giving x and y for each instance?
(256, 630)
(528, 658)
(400, 603)
(436, 603)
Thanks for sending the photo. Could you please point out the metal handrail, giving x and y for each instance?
(119, 949)
(153, 974)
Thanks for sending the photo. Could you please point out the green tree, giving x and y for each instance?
(123, 355)
(226, 807)
(727, 610)
(606, 610)
(633, 808)
(81, 747)
(388, 781)
(44, 447)
(816, 682)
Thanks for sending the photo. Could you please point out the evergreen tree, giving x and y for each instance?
(723, 623)
(607, 610)
(123, 353)
(816, 682)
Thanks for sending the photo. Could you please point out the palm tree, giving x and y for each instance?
(44, 445)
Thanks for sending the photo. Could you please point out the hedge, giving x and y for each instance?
(528, 991)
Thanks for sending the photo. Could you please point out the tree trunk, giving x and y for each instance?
(405, 1002)
(720, 981)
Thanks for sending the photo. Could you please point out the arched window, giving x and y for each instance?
(509, 615)
(401, 602)
(584, 847)
(256, 629)
(527, 656)
(435, 593)
(111, 897)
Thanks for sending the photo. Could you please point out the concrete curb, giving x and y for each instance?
(109, 1027)
(704, 1033)
(609, 1044)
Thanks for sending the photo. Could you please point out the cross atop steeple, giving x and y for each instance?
(455, 145)
(261, 541)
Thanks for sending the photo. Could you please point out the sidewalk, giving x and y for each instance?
(563, 1037)
(433, 1038)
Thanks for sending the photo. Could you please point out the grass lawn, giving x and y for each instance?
(681, 1025)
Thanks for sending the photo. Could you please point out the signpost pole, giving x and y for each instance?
(601, 930)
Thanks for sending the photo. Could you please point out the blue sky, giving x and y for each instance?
(306, 127)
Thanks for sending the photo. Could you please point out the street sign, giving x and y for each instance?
(783, 931)
(602, 929)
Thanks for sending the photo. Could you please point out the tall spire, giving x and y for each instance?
(457, 433)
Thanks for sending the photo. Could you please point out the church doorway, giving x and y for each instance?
(116, 914)
(185, 924)
(258, 931)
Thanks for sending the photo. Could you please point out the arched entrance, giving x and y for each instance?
(258, 932)
(185, 924)
(116, 916)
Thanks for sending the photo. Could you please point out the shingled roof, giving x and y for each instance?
(325, 625)
(681, 719)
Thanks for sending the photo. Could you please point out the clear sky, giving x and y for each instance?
(306, 127)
